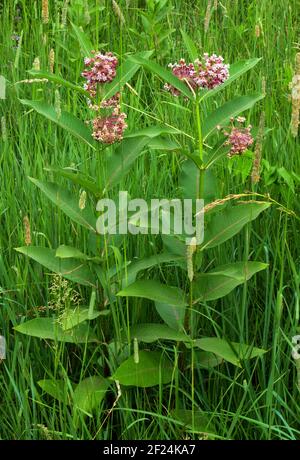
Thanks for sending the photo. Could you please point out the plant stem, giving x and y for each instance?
(200, 189)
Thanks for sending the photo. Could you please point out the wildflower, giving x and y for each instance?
(239, 139)
(213, 72)
(112, 102)
(184, 72)
(109, 129)
(101, 68)
(207, 73)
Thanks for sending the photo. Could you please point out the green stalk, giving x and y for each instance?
(200, 191)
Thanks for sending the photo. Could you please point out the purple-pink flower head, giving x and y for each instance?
(101, 68)
(239, 138)
(182, 71)
(211, 72)
(202, 74)
(109, 129)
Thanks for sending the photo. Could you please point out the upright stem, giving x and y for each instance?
(200, 190)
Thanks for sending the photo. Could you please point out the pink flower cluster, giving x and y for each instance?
(109, 129)
(101, 69)
(239, 138)
(202, 74)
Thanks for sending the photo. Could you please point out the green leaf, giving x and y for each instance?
(235, 71)
(148, 262)
(172, 315)
(48, 328)
(222, 280)
(241, 165)
(189, 182)
(228, 222)
(153, 290)
(287, 177)
(197, 422)
(68, 252)
(84, 42)
(163, 143)
(55, 388)
(71, 269)
(67, 121)
(125, 72)
(69, 204)
(230, 109)
(151, 332)
(166, 75)
(72, 317)
(77, 178)
(89, 393)
(152, 132)
(152, 369)
(231, 352)
(207, 360)
(190, 46)
(57, 80)
(118, 165)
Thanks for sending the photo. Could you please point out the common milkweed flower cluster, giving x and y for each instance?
(239, 137)
(99, 69)
(206, 73)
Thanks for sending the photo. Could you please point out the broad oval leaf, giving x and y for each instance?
(132, 270)
(68, 252)
(48, 328)
(230, 351)
(172, 315)
(219, 282)
(228, 222)
(72, 317)
(71, 269)
(151, 332)
(57, 389)
(152, 369)
(153, 290)
(90, 392)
